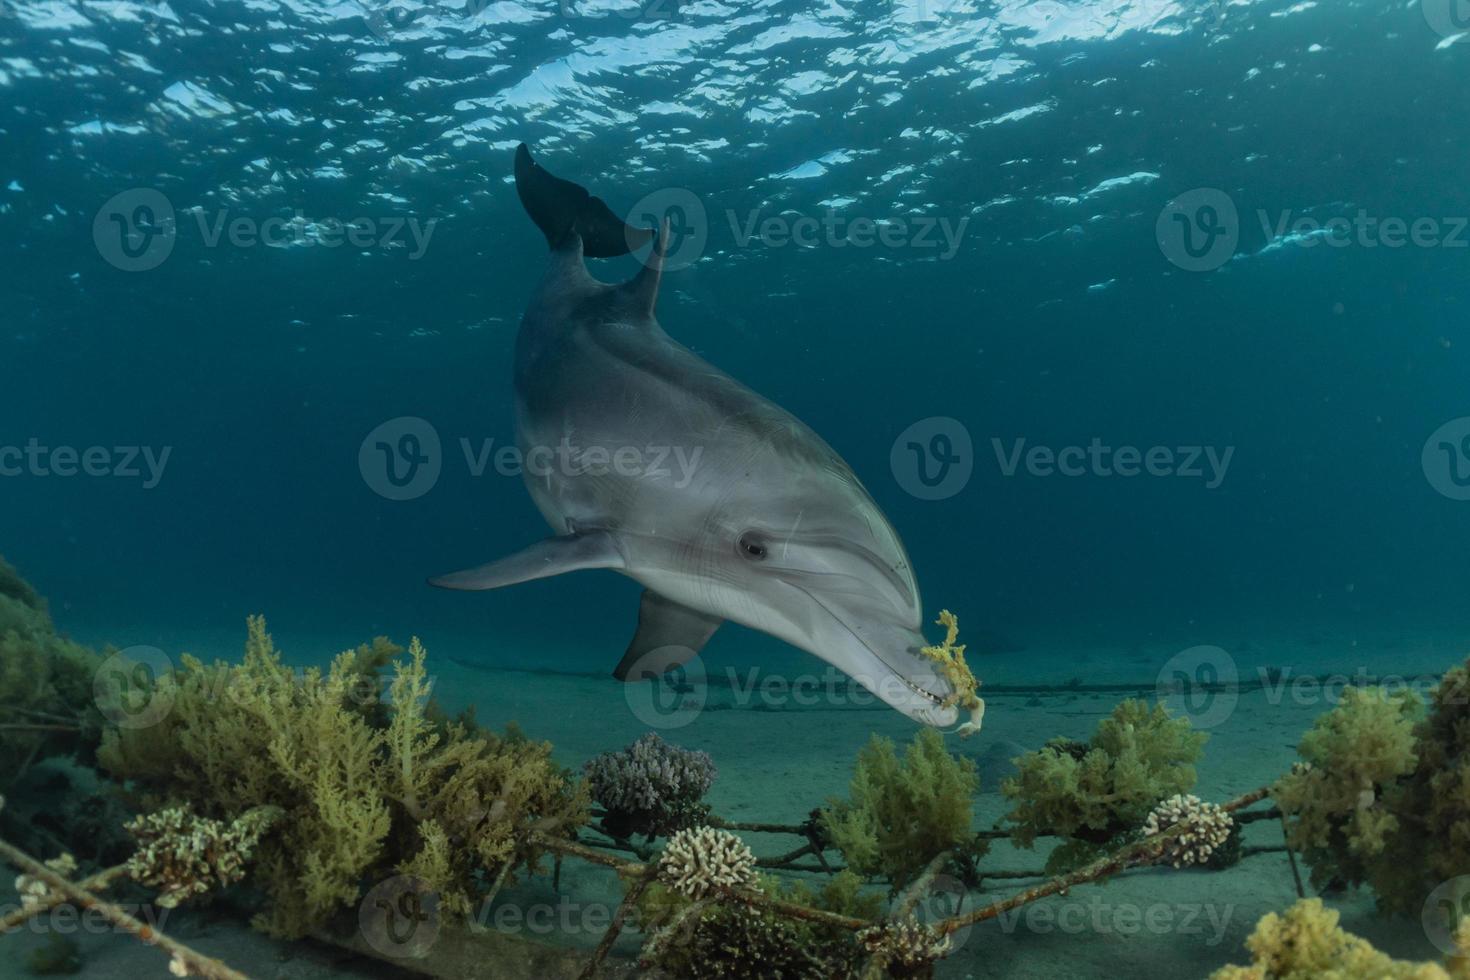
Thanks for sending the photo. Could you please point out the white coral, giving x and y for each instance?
(1207, 826)
(702, 860)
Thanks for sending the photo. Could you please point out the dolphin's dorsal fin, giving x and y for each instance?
(642, 289)
(668, 635)
(552, 556)
(562, 209)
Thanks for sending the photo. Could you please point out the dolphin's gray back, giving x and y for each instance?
(597, 374)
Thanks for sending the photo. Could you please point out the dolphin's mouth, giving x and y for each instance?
(882, 653)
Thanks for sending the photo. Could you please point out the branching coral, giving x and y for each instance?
(651, 787)
(901, 815)
(1209, 827)
(1306, 943)
(185, 855)
(702, 860)
(366, 788)
(1097, 791)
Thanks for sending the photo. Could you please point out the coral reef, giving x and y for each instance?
(950, 656)
(702, 860)
(1209, 827)
(47, 704)
(651, 787)
(184, 855)
(1383, 795)
(1306, 943)
(1096, 792)
(700, 940)
(365, 788)
(901, 815)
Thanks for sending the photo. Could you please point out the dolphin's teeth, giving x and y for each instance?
(920, 691)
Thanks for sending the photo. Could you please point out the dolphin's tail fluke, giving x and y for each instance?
(562, 209)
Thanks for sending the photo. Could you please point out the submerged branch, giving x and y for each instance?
(194, 962)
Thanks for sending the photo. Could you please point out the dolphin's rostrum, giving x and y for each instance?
(764, 525)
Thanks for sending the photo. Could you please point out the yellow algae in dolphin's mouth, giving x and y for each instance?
(950, 656)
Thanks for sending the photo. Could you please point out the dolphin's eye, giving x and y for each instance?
(752, 547)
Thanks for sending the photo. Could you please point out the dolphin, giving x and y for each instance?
(647, 460)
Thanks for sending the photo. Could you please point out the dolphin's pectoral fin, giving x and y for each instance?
(553, 556)
(668, 635)
(562, 209)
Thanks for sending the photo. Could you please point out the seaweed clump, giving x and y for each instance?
(902, 815)
(364, 788)
(1099, 792)
(46, 683)
(703, 940)
(651, 787)
(1306, 943)
(1383, 795)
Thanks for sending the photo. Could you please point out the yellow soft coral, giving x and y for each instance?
(1305, 943)
(367, 788)
(950, 656)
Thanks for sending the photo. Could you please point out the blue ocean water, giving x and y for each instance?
(1143, 198)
